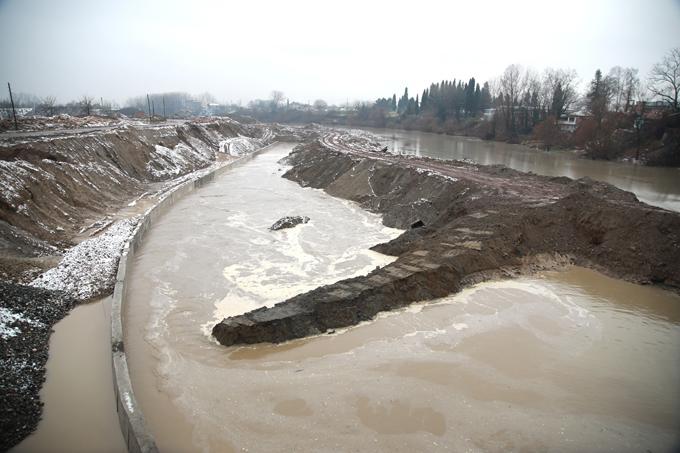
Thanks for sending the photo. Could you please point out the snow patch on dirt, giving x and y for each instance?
(89, 269)
(241, 145)
(8, 321)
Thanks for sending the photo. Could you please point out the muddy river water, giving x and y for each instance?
(564, 361)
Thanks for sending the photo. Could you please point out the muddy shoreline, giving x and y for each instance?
(23, 353)
(475, 222)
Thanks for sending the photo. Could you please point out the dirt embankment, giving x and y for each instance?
(55, 192)
(471, 223)
(68, 203)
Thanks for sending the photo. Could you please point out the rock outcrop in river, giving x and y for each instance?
(480, 222)
(289, 222)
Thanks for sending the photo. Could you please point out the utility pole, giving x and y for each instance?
(153, 109)
(164, 107)
(14, 112)
(149, 103)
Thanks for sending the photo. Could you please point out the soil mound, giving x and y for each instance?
(478, 223)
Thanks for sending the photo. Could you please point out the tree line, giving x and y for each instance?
(521, 98)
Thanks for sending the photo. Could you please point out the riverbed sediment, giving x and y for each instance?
(465, 223)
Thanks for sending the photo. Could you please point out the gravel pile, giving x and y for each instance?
(27, 315)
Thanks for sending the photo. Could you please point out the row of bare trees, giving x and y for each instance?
(522, 92)
(664, 80)
(524, 97)
(48, 105)
(554, 92)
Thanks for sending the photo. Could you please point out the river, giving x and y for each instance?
(563, 361)
(658, 186)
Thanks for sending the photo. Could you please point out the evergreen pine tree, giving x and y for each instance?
(476, 101)
(486, 101)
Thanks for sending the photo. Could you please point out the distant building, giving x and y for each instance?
(570, 121)
(488, 114)
(217, 109)
(194, 107)
(300, 107)
(652, 109)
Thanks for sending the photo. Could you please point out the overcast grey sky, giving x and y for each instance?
(343, 50)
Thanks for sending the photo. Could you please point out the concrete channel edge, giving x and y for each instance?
(137, 437)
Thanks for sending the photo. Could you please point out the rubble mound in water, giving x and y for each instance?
(478, 223)
(288, 222)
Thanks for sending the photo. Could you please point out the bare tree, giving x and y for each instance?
(276, 99)
(86, 104)
(631, 87)
(25, 100)
(624, 84)
(511, 85)
(615, 83)
(559, 90)
(664, 79)
(529, 98)
(47, 105)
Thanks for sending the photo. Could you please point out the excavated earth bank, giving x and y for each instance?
(470, 223)
(68, 203)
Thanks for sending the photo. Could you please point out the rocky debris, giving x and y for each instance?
(288, 222)
(482, 222)
(26, 319)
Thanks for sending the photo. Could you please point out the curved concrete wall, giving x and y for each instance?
(132, 424)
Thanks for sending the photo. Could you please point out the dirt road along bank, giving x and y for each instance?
(465, 223)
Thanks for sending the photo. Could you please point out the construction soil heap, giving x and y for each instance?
(465, 223)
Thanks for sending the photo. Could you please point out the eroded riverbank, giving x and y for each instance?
(558, 361)
(230, 262)
(466, 223)
(68, 204)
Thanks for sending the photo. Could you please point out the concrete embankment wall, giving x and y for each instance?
(135, 432)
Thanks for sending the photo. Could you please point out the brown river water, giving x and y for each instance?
(562, 361)
(566, 361)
